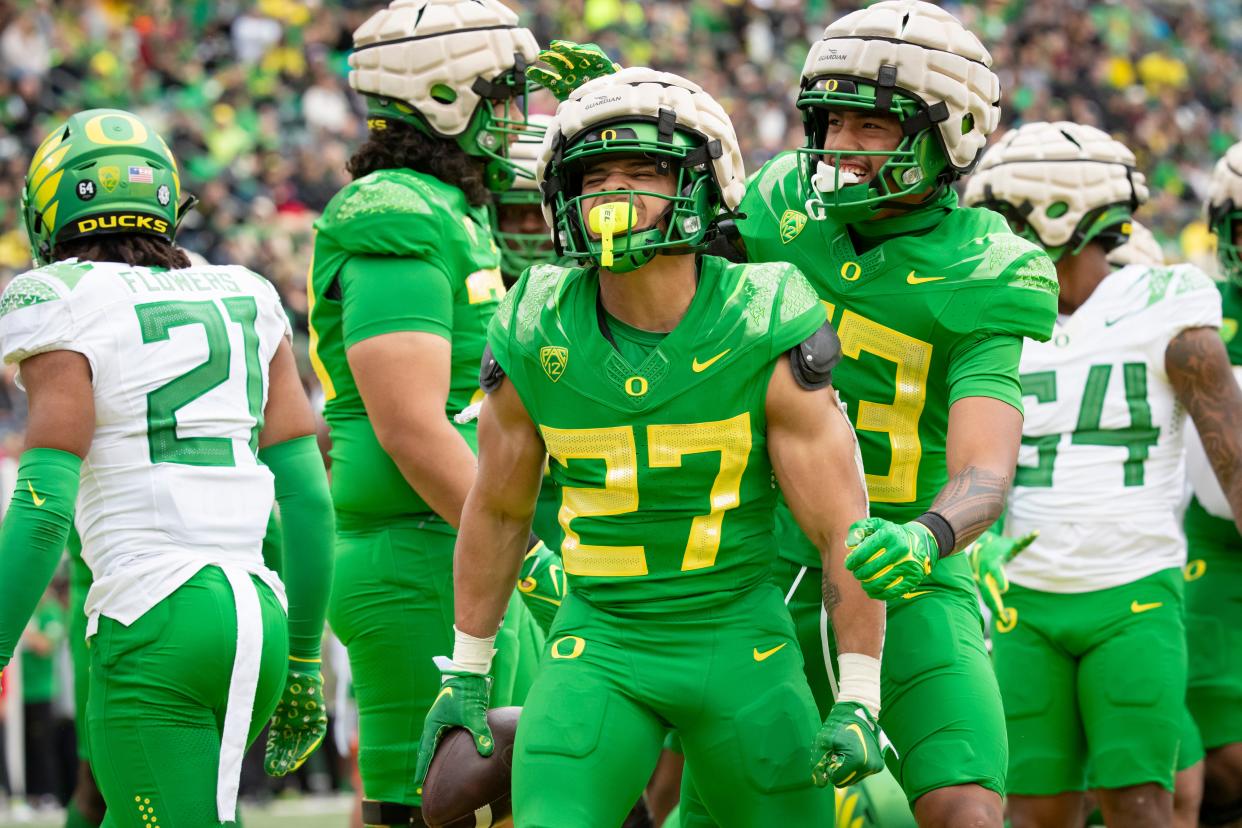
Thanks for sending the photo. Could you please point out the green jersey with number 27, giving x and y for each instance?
(931, 315)
(662, 466)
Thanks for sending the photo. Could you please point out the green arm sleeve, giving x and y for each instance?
(387, 294)
(986, 365)
(306, 518)
(33, 537)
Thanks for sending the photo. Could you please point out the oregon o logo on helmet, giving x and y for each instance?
(831, 85)
(608, 135)
(95, 129)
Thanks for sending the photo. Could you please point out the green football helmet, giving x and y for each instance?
(910, 60)
(1061, 185)
(444, 67)
(653, 115)
(1225, 212)
(518, 249)
(104, 171)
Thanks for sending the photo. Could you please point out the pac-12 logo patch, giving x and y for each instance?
(554, 359)
(109, 177)
(792, 223)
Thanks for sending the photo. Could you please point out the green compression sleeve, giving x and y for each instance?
(33, 536)
(306, 520)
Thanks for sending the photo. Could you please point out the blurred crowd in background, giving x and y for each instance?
(253, 98)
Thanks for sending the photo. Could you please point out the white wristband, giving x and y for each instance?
(473, 655)
(860, 680)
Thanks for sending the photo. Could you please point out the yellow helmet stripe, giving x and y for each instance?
(49, 215)
(47, 190)
(40, 171)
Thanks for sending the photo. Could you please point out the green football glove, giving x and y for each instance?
(571, 65)
(542, 584)
(462, 702)
(890, 559)
(849, 746)
(988, 557)
(300, 720)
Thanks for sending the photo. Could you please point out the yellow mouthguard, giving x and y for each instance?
(606, 219)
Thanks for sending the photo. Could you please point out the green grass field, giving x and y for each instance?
(316, 812)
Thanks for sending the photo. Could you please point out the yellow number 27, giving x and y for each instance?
(666, 445)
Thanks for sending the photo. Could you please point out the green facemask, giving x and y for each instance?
(916, 165)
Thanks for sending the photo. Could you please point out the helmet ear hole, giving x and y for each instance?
(968, 123)
(441, 93)
(1056, 209)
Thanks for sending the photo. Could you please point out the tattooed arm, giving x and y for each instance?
(981, 452)
(1198, 368)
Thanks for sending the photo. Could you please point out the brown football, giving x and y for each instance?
(464, 789)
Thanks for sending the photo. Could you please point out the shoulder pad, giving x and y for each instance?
(388, 213)
(491, 375)
(813, 359)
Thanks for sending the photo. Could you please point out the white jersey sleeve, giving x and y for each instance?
(36, 315)
(1102, 440)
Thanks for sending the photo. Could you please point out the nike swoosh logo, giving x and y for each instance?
(447, 691)
(862, 740)
(1136, 607)
(766, 654)
(910, 595)
(38, 501)
(699, 367)
(911, 279)
(1108, 323)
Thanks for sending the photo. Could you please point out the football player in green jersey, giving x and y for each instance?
(1214, 572)
(405, 278)
(669, 390)
(931, 302)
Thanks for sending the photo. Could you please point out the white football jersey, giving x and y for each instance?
(179, 362)
(1102, 441)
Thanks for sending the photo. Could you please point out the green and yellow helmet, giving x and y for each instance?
(639, 111)
(104, 171)
(520, 250)
(916, 62)
(1225, 212)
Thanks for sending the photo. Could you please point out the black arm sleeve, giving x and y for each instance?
(813, 359)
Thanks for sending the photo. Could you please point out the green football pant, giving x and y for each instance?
(392, 608)
(940, 704)
(728, 678)
(79, 586)
(1189, 745)
(1094, 685)
(1213, 579)
(158, 695)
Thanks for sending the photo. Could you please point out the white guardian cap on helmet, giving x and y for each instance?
(443, 66)
(1225, 212)
(910, 60)
(665, 117)
(1061, 185)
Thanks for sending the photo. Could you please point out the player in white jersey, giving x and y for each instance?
(166, 416)
(1089, 646)
(1214, 571)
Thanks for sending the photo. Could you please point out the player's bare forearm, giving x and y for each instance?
(814, 454)
(981, 452)
(496, 519)
(403, 379)
(1198, 368)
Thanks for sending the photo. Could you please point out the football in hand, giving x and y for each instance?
(464, 789)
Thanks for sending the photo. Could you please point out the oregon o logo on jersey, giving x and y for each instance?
(554, 360)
